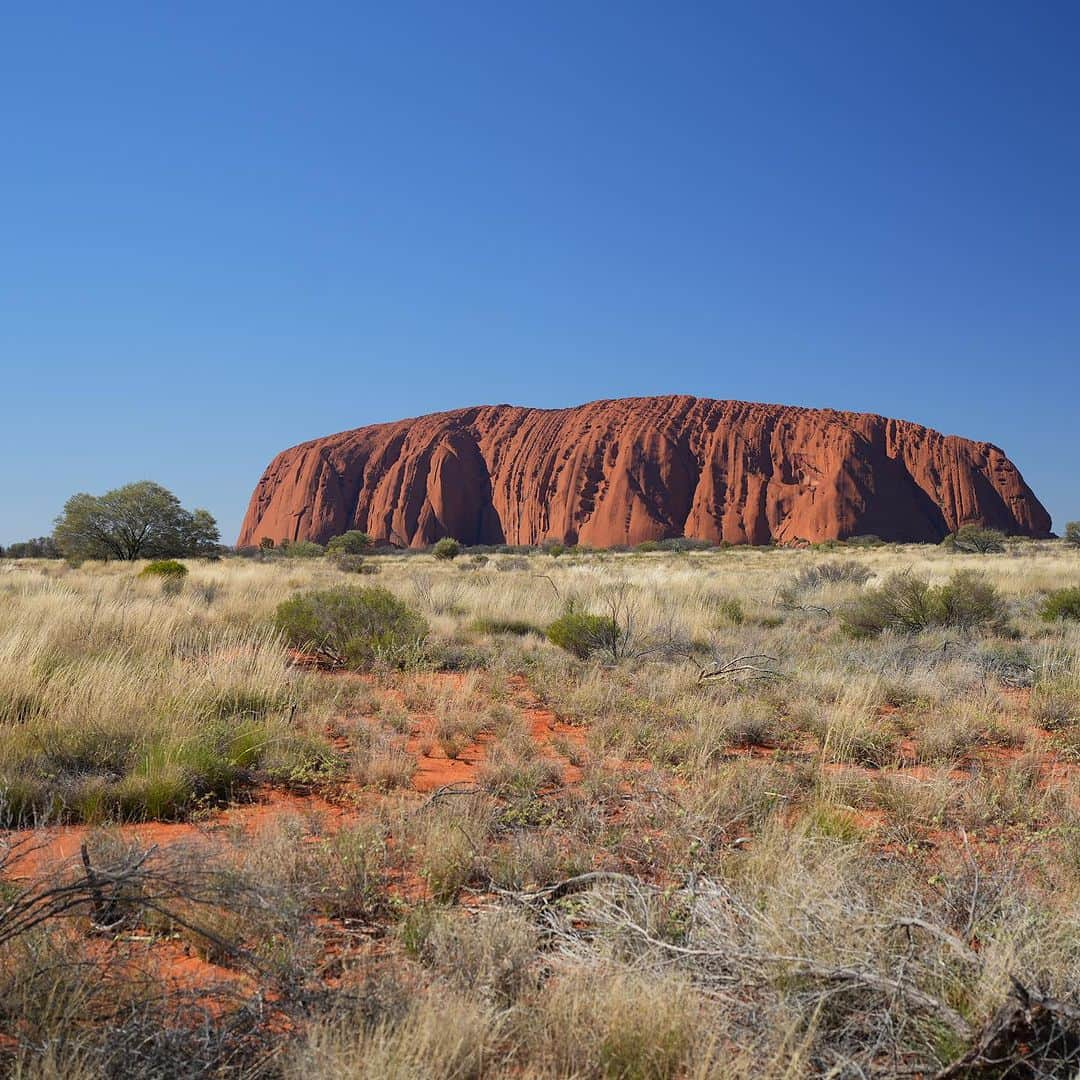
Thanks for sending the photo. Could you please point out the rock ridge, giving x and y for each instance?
(633, 469)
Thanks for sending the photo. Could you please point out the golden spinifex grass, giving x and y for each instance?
(729, 839)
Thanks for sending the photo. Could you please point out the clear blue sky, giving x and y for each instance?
(229, 227)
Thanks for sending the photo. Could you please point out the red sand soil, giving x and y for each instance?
(183, 968)
(47, 848)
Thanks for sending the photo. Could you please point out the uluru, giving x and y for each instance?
(634, 469)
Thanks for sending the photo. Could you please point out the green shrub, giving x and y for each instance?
(352, 564)
(730, 609)
(302, 549)
(1072, 533)
(908, 604)
(164, 568)
(1062, 604)
(839, 572)
(352, 627)
(446, 548)
(582, 634)
(352, 542)
(975, 540)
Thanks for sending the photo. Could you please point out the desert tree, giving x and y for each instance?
(140, 520)
(39, 547)
(975, 540)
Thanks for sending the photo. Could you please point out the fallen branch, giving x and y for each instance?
(1031, 1035)
(742, 665)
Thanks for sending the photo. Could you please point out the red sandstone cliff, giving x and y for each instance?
(619, 472)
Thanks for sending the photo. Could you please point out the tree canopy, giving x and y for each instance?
(39, 547)
(352, 542)
(140, 520)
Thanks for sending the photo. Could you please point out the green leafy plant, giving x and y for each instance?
(301, 549)
(353, 542)
(1061, 604)
(975, 540)
(353, 564)
(164, 568)
(446, 548)
(582, 633)
(131, 522)
(908, 604)
(352, 627)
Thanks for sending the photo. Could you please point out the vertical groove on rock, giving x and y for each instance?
(623, 471)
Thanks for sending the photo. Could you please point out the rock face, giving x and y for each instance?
(619, 472)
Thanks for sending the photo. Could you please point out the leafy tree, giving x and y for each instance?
(353, 542)
(1072, 533)
(140, 520)
(974, 539)
(40, 547)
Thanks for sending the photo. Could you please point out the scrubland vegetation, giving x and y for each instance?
(699, 813)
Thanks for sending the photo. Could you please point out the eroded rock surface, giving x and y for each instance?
(634, 469)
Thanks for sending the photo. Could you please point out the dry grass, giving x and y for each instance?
(827, 856)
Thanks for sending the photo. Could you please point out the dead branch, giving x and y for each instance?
(554, 587)
(740, 665)
(552, 893)
(460, 787)
(1031, 1035)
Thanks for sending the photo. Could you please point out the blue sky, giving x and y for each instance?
(230, 227)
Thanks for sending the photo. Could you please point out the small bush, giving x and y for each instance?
(302, 549)
(352, 627)
(975, 540)
(1062, 604)
(447, 548)
(841, 572)
(582, 634)
(730, 610)
(352, 542)
(1072, 533)
(164, 569)
(512, 562)
(353, 564)
(908, 604)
